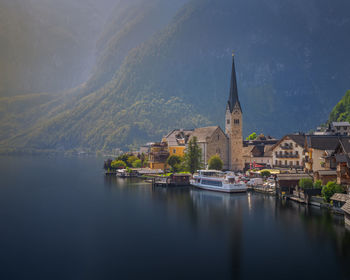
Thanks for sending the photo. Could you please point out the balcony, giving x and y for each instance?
(288, 166)
(287, 156)
(286, 147)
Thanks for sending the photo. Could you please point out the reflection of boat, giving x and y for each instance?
(214, 180)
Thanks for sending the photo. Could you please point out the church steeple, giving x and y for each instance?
(233, 98)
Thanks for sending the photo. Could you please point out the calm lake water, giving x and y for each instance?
(62, 219)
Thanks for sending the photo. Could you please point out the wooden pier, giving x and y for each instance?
(174, 180)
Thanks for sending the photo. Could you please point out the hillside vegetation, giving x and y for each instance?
(341, 111)
(290, 57)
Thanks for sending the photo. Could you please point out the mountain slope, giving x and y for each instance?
(48, 45)
(341, 111)
(292, 62)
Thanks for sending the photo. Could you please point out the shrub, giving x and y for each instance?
(265, 173)
(137, 163)
(318, 184)
(118, 164)
(215, 163)
(306, 183)
(330, 189)
(174, 161)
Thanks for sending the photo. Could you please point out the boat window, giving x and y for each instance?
(212, 183)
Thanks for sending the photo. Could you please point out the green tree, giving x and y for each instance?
(318, 184)
(265, 173)
(118, 164)
(306, 183)
(330, 189)
(215, 163)
(252, 136)
(193, 156)
(137, 163)
(131, 159)
(174, 161)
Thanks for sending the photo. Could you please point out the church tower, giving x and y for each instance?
(233, 124)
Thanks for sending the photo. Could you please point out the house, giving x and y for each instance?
(288, 152)
(288, 183)
(317, 149)
(258, 152)
(213, 141)
(177, 140)
(340, 128)
(158, 156)
(339, 199)
(325, 176)
(346, 209)
(258, 155)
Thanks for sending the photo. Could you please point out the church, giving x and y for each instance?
(213, 140)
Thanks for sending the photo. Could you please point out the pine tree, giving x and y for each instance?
(193, 156)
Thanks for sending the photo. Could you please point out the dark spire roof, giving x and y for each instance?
(233, 99)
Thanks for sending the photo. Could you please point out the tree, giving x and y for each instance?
(193, 156)
(252, 136)
(265, 173)
(318, 184)
(131, 159)
(215, 163)
(137, 163)
(174, 161)
(306, 183)
(118, 164)
(330, 189)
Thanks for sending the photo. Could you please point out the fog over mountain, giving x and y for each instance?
(167, 65)
(48, 45)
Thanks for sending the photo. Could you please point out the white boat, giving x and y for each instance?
(214, 180)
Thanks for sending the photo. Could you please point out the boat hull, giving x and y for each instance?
(238, 189)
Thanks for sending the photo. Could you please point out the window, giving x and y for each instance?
(236, 121)
(212, 183)
(228, 121)
(174, 151)
(285, 162)
(291, 163)
(276, 162)
(297, 163)
(218, 136)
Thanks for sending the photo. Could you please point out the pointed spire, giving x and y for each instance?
(233, 99)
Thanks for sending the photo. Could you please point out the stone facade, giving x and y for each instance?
(233, 125)
(213, 141)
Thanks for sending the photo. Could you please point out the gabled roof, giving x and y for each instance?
(178, 137)
(346, 207)
(322, 142)
(340, 197)
(202, 133)
(296, 138)
(345, 144)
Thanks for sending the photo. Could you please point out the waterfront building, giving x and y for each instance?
(346, 209)
(177, 141)
(258, 152)
(158, 156)
(213, 141)
(288, 152)
(339, 199)
(234, 124)
(317, 149)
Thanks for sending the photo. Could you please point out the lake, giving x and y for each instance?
(61, 218)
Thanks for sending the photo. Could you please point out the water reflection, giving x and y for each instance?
(254, 228)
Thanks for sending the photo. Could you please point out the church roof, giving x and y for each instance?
(202, 133)
(233, 98)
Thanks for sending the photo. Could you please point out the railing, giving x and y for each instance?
(286, 147)
(288, 166)
(287, 156)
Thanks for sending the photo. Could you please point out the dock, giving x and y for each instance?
(174, 180)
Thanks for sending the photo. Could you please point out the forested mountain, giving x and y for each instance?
(341, 111)
(48, 45)
(292, 63)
